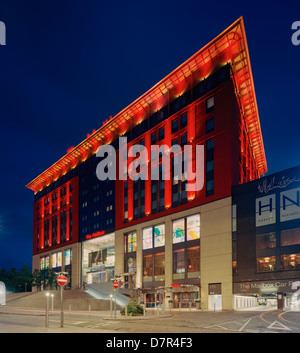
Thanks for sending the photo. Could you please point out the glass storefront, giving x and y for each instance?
(98, 259)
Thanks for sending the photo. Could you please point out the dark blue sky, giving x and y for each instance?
(69, 65)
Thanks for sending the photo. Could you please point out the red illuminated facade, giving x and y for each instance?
(208, 101)
(55, 218)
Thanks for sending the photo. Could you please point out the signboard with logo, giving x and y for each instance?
(287, 206)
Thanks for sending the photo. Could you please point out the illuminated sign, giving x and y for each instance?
(289, 207)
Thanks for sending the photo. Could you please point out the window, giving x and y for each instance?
(209, 125)
(159, 264)
(290, 262)
(148, 265)
(184, 139)
(193, 227)
(130, 264)
(183, 120)
(266, 264)
(174, 125)
(153, 138)
(153, 237)
(210, 167)
(210, 104)
(130, 242)
(265, 241)
(290, 237)
(178, 231)
(193, 259)
(179, 261)
(186, 229)
(161, 133)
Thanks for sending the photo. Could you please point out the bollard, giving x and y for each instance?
(90, 307)
(70, 307)
(144, 309)
(190, 306)
(47, 310)
(126, 310)
(52, 304)
(111, 305)
(179, 306)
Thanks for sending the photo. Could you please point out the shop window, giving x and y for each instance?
(159, 264)
(148, 265)
(186, 229)
(193, 259)
(130, 242)
(179, 261)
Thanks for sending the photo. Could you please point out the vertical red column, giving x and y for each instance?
(168, 171)
(58, 215)
(148, 178)
(191, 140)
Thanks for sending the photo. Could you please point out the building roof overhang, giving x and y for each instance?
(229, 46)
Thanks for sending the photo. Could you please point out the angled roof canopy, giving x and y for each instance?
(229, 46)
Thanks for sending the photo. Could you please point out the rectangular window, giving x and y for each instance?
(159, 235)
(186, 229)
(159, 264)
(178, 231)
(183, 139)
(209, 125)
(153, 237)
(130, 242)
(147, 238)
(193, 227)
(174, 125)
(148, 265)
(153, 138)
(290, 262)
(179, 261)
(209, 167)
(193, 259)
(266, 264)
(290, 237)
(161, 133)
(210, 104)
(265, 241)
(183, 120)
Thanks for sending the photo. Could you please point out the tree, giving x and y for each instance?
(37, 279)
(26, 279)
(51, 278)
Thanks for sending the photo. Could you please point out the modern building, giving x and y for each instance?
(266, 240)
(162, 236)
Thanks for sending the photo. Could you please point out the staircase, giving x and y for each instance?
(104, 291)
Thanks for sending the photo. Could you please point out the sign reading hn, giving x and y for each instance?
(2, 33)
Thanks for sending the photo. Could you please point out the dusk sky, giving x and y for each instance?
(69, 65)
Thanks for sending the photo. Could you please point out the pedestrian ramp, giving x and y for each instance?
(105, 291)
